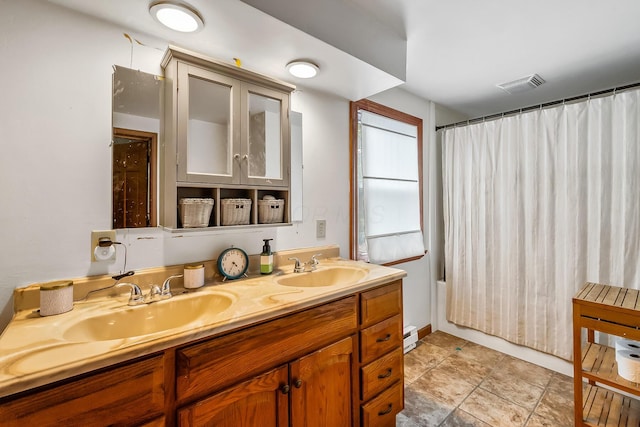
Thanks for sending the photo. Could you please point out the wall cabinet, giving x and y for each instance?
(227, 134)
(616, 311)
(336, 364)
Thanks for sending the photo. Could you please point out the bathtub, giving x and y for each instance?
(441, 324)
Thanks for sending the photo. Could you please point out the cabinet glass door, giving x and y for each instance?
(265, 154)
(207, 127)
(209, 134)
(267, 140)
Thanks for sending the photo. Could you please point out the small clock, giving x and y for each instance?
(233, 263)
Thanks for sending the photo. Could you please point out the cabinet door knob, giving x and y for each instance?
(236, 156)
(386, 411)
(285, 389)
(297, 383)
(245, 157)
(386, 374)
(386, 338)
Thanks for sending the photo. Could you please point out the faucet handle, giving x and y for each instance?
(166, 287)
(136, 297)
(297, 267)
(313, 262)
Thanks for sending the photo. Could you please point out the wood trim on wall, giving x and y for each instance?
(383, 110)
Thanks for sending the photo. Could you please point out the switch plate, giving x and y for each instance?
(95, 236)
(321, 228)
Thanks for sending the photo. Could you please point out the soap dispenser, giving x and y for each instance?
(266, 258)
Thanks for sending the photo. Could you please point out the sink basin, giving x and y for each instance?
(149, 318)
(327, 276)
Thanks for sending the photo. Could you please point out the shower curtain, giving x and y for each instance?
(535, 205)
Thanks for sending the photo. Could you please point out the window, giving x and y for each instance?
(386, 184)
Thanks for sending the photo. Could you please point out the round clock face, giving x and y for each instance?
(233, 263)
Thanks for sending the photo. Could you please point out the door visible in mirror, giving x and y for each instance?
(137, 109)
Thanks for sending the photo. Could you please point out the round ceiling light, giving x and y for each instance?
(302, 69)
(177, 16)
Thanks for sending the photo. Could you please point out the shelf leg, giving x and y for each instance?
(577, 366)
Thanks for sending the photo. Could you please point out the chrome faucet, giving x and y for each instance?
(298, 268)
(313, 262)
(136, 297)
(165, 292)
(156, 293)
(308, 266)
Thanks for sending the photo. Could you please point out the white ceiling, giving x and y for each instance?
(452, 52)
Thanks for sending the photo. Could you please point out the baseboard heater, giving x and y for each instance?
(410, 338)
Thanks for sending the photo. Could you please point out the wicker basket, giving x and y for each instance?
(270, 211)
(195, 212)
(235, 211)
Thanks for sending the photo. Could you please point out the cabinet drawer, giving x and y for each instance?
(123, 396)
(382, 411)
(379, 304)
(380, 338)
(381, 373)
(220, 362)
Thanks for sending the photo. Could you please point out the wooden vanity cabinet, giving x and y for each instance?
(381, 355)
(337, 364)
(343, 362)
(125, 395)
(314, 378)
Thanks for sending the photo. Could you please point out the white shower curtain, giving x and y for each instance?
(535, 205)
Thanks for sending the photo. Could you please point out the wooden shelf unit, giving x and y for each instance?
(616, 311)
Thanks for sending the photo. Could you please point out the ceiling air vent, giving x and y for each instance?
(523, 84)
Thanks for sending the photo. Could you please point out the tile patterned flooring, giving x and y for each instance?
(450, 382)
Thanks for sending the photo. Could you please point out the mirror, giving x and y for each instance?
(209, 134)
(265, 137)
(136, 119)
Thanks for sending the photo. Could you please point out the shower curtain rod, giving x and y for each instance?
(539, 106)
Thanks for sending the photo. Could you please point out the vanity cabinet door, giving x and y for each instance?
(261, 401)
(322, 388)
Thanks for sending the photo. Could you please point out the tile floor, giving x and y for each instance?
(450, 382)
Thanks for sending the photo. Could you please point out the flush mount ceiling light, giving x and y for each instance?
(302, 69)
(176, 15)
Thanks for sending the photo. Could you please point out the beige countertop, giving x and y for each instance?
(36, 350)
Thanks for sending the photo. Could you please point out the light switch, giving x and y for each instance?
(321, 228)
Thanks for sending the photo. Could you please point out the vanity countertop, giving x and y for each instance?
(34, 350)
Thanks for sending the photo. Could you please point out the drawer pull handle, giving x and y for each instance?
(285, 389)
(386, 374)
(386, 338)
(297, 383)
(386, 411)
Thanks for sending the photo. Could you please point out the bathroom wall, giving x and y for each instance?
(55, 170)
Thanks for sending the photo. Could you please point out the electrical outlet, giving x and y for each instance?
(95, 236)
(321, 228)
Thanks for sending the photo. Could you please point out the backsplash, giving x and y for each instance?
(28, 298)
